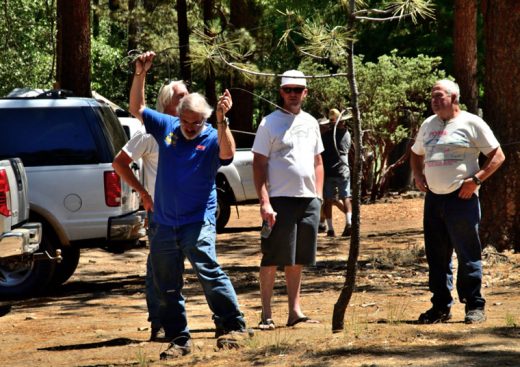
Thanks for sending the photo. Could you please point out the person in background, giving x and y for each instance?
(190, 153)
(288, 175)
(336, 144)
(143, 146)
(445, 165)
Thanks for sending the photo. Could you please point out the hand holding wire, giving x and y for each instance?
(224, 104)
(143, 62)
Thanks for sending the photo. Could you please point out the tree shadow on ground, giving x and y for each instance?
(117, 342)
(79, 294)
(240, 229)
(476, 355)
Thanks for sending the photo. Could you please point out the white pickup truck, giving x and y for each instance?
(235, 184)
(19, 239)
(67, 145)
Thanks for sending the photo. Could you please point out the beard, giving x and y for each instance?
(193, 136)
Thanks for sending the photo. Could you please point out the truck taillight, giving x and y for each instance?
(4, 189)
(112, 188)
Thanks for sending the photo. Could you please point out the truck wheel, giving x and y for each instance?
(26, 276)
(64, 269)
(223, 210)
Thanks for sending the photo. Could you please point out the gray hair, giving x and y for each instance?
(450, 87)
(166, 94)
(195, 102)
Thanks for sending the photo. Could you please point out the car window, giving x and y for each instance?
(47, 136)
(114, 129)
(127, 131)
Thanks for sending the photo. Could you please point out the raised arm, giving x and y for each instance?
(225, 138)
(137, 103)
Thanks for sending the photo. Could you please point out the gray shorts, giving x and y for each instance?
(293, 237)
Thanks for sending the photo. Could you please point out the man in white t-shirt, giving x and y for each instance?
(445, 165)
(288, 175)
(143, 146)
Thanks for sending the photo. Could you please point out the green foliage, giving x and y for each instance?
(108, 77)
(429, 36)
(395, 93)
(393, 100)
(27, 44)
(324, 93)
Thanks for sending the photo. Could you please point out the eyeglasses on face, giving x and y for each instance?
(297, 90)
(192, 123)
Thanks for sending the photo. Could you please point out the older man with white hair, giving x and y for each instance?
(143, 146)
(445, 165)
(190, 153)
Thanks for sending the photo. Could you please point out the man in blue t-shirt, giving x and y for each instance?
(190, 153)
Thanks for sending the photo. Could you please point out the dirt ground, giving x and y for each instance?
(98, 318)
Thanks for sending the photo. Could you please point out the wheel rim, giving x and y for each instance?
(217, 212)
(12, 275)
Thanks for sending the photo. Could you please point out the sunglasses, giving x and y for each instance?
(297, 90)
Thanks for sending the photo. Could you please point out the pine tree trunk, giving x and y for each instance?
(465, 52)
(183, 32)
(208, 14)
(340, 307)
(241, 115)
(500, 195)
(73, 39)
(133, 32)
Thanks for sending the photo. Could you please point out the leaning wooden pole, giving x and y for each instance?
(340, 307)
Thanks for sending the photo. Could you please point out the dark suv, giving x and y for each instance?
(67, 145)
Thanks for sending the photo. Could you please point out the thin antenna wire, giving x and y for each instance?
(262, 98)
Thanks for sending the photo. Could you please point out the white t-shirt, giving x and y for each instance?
(143, 146)
(451, 149)
(291, 143)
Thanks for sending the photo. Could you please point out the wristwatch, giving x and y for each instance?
(477, 180)
(224, 122)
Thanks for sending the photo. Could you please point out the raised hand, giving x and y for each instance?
(224, 104)
(143, 63)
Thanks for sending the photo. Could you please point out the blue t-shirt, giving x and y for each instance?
(185, 190)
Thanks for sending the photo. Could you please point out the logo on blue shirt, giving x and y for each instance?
(171, 139)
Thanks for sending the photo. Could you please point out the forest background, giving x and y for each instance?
(475, 42)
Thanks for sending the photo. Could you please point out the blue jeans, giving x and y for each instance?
(152, 300)
(451, 223)
(196, 242)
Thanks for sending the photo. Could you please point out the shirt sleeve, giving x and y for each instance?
(319, 145)
(345, 143)
(157, 123)
(262, 144)
(485, 139)
(418, 145)
(138, 146)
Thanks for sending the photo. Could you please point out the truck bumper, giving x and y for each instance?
(127, 227)
(21, 241)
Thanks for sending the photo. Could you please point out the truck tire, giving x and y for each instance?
(64, 269)
(26, 277)
(223, 210)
